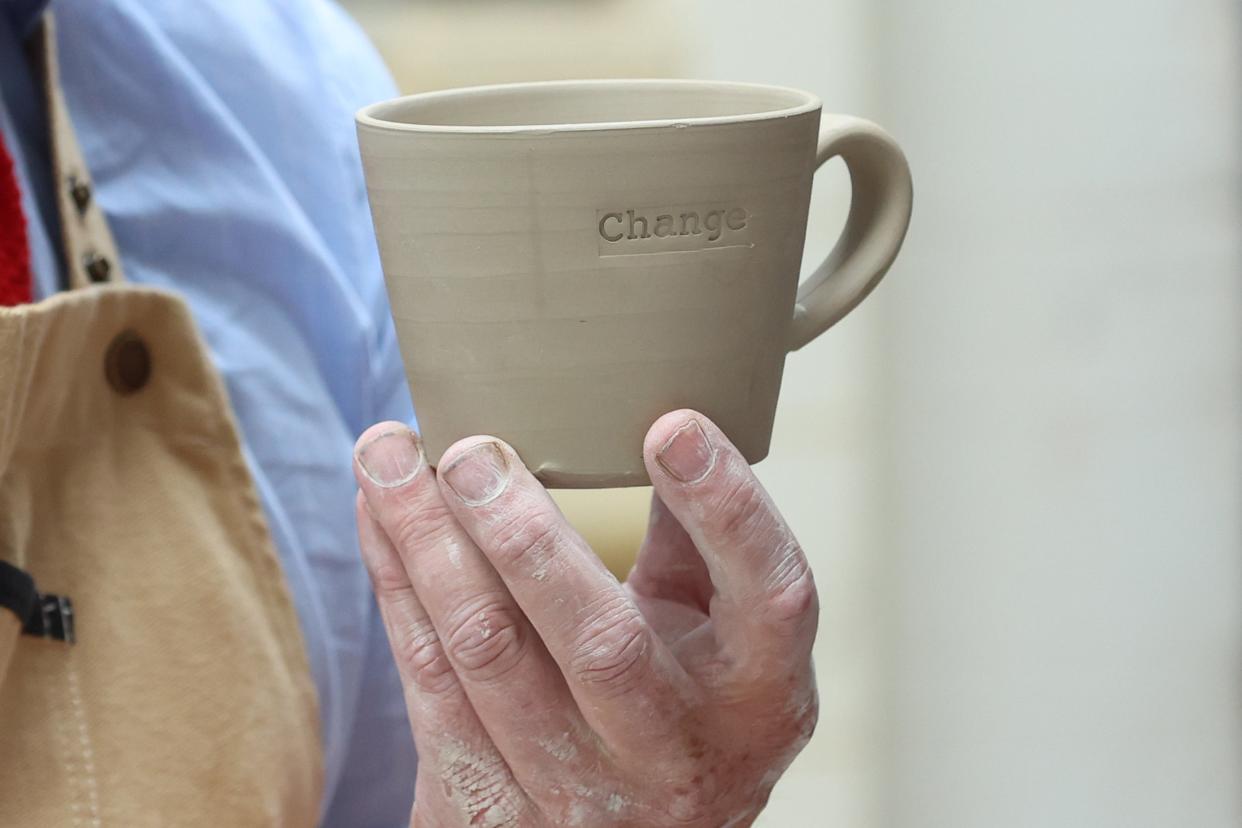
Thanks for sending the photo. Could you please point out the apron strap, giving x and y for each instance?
(24, 611)
(90, 252)
(17, 592)
(41, 615)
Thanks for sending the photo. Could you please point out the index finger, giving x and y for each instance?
(765, 606)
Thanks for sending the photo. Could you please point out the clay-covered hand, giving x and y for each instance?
(543, 692)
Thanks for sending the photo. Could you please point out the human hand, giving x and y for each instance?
(543, 692)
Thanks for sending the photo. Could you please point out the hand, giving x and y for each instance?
(543, 692)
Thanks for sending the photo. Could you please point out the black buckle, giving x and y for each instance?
(43, 615)
(52, 618)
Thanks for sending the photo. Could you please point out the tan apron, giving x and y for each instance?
(185, 697)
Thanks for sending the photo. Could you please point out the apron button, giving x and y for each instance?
(127, 364)
(80, 192)
(97, 267)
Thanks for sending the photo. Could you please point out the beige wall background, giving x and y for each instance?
(1065, 391)
(1017, 468)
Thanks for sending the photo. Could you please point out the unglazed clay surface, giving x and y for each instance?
(568, 261)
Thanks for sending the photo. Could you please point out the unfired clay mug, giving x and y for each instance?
(568, 261)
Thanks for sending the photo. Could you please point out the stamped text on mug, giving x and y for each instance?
(643, 231)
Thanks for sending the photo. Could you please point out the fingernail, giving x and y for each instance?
(392, 458)
(688, 455)
(479, 475)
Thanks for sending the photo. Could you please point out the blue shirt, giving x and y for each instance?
(221, 141)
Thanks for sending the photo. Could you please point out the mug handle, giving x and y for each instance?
(880, 203)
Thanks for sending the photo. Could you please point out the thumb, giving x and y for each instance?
(669, 565)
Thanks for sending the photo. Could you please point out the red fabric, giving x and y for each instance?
(15, 279)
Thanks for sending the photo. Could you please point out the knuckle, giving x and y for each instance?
(743, 509)
(790, 725)
(416, 525)
(388, 576)
(805, 720)
(792, 730)
(418, 653)
(790, 591)
(613, 651)
(693, 803)
(526, 540)
(487, 642)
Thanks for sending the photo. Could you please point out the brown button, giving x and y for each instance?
(127, 364)
(80, 192)
(97, 267)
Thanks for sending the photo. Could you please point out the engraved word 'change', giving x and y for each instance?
(710, 226)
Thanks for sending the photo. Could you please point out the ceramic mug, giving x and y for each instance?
(567, 261)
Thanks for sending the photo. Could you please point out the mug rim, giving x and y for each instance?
(371, 115)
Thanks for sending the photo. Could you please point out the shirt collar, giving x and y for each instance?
(22, 15)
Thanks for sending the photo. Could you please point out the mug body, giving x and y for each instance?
(568, 261)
